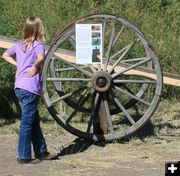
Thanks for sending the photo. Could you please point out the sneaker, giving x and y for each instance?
(48, 156)
(28, 161)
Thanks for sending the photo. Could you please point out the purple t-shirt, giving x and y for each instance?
(25, 60)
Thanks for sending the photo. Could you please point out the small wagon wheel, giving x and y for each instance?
(102, 101)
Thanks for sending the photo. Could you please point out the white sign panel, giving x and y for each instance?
(88, 43)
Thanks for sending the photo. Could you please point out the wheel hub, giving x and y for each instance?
(101, 81)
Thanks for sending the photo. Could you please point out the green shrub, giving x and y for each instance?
(159, 21)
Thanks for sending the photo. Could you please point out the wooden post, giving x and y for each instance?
(100, 124)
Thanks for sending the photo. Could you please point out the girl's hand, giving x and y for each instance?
(32, 71)
(16, 75)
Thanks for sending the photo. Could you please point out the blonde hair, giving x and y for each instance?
(33, 30)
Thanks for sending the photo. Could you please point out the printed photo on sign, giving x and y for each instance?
(96, 28)
(96, 53)
(96, 35)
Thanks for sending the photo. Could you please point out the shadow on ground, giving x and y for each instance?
(79, 145)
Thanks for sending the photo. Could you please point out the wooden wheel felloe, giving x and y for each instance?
(103, 101)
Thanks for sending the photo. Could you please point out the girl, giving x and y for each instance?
(29, 53)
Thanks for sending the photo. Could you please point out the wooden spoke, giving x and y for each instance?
(72, 40)
(119, 52)
(67, 95)
(103, 34)
(131, 67)
(109, 118)
(134, 81)
(109, 49)
(71, 116)
(119, 104)
(92, 68)
(96, 100)
(75, 66)
(69, 68)
(123, 55)
(133, 96)
(119, 34)
(68, 79)
(127, 88)
(134, 60)
(83, 94)
(81, 102)
(90, 124)
(99, 67)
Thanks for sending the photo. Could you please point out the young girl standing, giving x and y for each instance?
(29, 54)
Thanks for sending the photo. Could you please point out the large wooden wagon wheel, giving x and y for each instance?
(103, 101)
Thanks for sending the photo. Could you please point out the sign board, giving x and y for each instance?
(88, 43)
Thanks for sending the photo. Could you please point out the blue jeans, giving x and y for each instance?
(30, 130)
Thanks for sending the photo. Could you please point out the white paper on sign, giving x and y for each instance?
(88, 43)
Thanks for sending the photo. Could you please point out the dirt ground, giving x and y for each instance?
(85, 158)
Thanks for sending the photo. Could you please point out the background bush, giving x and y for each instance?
(158, 19)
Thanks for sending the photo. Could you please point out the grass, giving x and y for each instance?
(167, 118)
(159, 144)
(48, 125)
(48, 128)
(165, 122)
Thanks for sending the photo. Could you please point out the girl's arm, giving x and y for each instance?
(39, 61)
(9, 59)
(36, 67)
